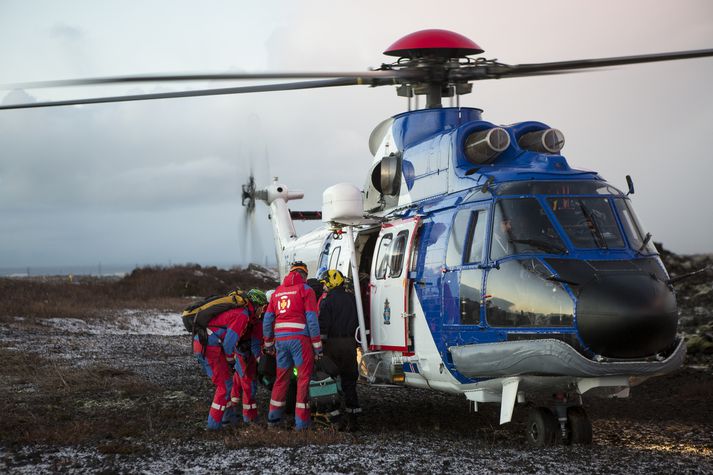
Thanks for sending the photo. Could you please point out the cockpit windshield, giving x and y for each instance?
(592, 213)
(521, 225)
(588, 222)
(571, 187)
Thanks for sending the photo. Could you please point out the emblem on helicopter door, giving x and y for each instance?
(387, 312)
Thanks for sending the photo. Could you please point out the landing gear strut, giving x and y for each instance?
(577, 428)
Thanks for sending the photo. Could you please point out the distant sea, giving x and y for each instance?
(97, 270)
(101, 270)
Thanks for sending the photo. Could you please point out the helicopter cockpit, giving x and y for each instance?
(565, 257)
(563, 218)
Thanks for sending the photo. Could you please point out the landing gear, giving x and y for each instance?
(541, 427)
(578, 428)
(567, 424)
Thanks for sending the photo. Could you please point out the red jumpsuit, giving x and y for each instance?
(224, 331)
(290, 324)
(244, 382)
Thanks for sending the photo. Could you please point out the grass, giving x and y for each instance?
(262, 436)
(46, 401)
(165, 288)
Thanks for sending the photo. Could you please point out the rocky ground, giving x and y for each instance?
(120, 392)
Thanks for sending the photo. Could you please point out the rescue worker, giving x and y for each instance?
(318, 288)
(247, 355)
(338, 322)
(217, 358)
(291, 329)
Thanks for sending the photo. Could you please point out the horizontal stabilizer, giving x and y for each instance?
(306, 215)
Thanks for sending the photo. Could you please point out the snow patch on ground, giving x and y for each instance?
(128, 322)
(381, 456)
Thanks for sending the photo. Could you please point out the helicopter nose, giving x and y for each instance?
(627, 316)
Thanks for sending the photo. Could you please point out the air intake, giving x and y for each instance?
(542, 141)
(484, 146)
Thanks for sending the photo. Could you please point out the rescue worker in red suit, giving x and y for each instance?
(249, 350)
(217, 359)
(291, 328)
(338, 321)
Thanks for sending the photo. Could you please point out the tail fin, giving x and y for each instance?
(276, 196)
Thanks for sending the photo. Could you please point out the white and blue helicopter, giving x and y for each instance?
(482, 263)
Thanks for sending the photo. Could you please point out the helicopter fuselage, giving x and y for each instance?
(495, 271)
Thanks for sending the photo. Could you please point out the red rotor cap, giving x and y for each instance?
(442, 43)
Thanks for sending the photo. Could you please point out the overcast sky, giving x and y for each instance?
(158, 182)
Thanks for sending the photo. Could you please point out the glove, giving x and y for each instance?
(269, 350)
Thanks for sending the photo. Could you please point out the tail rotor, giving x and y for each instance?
(250, 243)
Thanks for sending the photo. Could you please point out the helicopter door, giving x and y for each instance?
(390, 286)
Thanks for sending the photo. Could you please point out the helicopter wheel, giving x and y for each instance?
(579, 427)
(541, 427)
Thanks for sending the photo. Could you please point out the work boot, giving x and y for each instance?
(352, 424)
(230, 418)
(341, 423)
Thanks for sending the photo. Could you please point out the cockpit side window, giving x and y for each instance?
(456, 242)
(520, 225)
(478, 224)
(465, 244)
(632, 228)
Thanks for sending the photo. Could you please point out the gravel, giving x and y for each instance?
(666, 426)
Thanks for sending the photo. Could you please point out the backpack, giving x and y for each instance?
(199, 314)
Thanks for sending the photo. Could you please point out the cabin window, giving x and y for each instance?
(334, 259)
(521, 226)
(520, 295)
(398, 248)
(324, 256)
(471, 284)
(413, 265)
(632, 227)
(588, 222)
(456, 243)
(382, 257)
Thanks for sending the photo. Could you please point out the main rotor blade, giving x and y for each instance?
(497, 70)
(364, 75)
(208, 92)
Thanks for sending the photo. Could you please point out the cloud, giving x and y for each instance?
(18, 96)
(66, 32)
(142, 171)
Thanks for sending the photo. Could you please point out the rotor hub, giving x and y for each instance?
(433, 43)
(248, 195)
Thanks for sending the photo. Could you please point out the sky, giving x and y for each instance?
(158, 182)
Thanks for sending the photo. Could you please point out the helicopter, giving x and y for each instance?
(482, 263)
